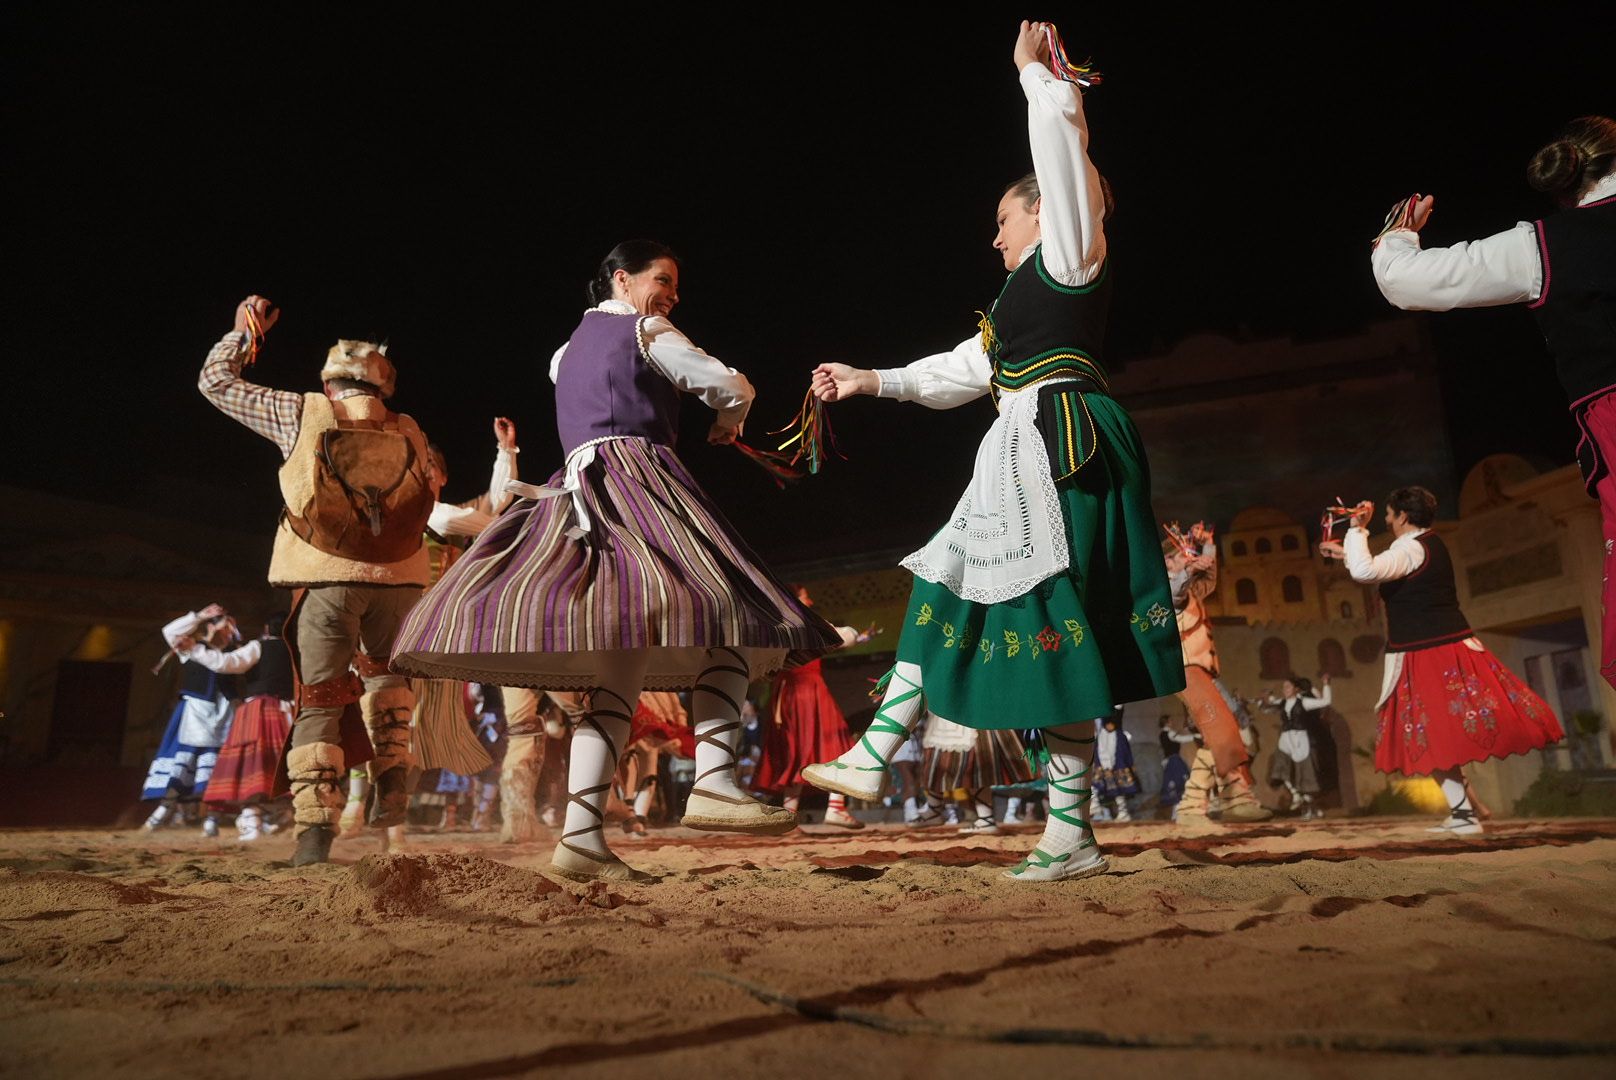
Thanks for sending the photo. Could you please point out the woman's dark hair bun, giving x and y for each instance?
(1555, 168)
(1583, 154)
(631, 256)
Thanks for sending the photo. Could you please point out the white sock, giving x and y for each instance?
(1453, 787)
(1012, 807)
(485, 798)
(836, 804)
(911, 808)
(1123, 813)
(1066, 830)
(716, 709)
(596, 744)
(793, 798)
(247, 822)
(642, 801)
(894, 721)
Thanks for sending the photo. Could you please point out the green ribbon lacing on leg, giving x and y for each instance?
(1043, 860)
(883, 725)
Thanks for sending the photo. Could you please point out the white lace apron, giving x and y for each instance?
(1007, 533)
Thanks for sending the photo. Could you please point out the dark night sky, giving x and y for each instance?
(450, 179)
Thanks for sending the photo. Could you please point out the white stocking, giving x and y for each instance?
(894, 721)
(1453, 787)
(596, 745)
(716, 705)
(1068, 839)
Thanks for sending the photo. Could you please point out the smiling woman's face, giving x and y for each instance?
(653, 291)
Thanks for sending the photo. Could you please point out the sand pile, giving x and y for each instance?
(444, 885)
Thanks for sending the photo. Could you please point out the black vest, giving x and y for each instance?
(1039, 329)
(1422, 609)
(1293, 715)
(1577, 310)
(197, 681)
(272, 674)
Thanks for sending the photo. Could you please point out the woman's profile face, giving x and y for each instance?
(1018, 228)
(653, 291)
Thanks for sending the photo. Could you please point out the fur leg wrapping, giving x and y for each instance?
(317, 775)
(387, 717)
(518, 789)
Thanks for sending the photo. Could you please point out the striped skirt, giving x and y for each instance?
(956, 757)
(660, 569)
(441, 735)
(245, 770)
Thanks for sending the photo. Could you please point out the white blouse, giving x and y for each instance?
(1071, 216)
(1405, 555)
(720, 387)
(1504, 268)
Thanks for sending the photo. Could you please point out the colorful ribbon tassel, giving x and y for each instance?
(811, 434)
(255, 337)
(1082, 74)
(779, 467)
(1401, 216)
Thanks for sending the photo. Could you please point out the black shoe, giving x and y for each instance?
(314, 845)
(387, 803)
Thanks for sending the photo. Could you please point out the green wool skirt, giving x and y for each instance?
(1100, 634)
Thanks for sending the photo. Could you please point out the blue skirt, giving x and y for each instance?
(179, 768)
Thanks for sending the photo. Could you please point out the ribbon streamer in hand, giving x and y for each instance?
(255, 337)
(1082, 74)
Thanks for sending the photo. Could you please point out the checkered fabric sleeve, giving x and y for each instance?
(275, 414)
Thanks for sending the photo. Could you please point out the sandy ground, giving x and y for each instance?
(1333, 948)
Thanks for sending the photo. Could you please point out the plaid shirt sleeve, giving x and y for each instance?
(277, 415)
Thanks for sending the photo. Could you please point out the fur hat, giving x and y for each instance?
(363, 361)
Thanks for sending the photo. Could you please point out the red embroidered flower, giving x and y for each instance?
(1050, 640)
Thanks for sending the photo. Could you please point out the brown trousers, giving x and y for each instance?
(330, 626)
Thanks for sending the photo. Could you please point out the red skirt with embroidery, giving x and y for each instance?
(251, 754)
(1452, 705)
(808, 728)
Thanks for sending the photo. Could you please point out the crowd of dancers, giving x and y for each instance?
(624, 616)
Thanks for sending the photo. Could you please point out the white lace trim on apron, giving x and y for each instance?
(1007, 533)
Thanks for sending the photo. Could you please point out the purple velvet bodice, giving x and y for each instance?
(605, 387)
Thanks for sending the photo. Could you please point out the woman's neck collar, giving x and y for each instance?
(614, 306)
(1603, 188)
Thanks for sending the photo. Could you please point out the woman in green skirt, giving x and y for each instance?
(1043, 602)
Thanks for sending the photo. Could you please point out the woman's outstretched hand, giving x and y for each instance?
(835, 382)
(1032, 45)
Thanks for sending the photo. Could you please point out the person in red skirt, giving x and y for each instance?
(244, 777)
(1446, 700)
(1560, 267)
(807, 726)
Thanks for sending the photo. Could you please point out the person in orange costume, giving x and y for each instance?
(1221, 764)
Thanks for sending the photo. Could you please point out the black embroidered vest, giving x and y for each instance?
(273, 673)
(1039, 329)
(1422, 609)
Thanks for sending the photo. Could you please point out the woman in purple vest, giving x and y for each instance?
(1564, 268)
(1445, 700)
(622, 575)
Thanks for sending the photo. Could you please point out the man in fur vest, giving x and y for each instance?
(349, 544)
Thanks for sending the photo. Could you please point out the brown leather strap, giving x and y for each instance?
(345, 689)
(369, 667)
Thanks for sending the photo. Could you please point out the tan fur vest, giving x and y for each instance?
(297, 563)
